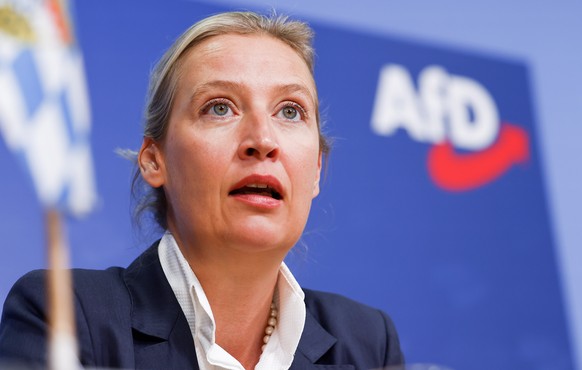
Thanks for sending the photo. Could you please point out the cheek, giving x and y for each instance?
(185, 169)
(306, 172)
(189, 153)
(200, 166)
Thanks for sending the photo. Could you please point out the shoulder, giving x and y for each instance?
(108, 282)
(93, 290)
(32, 286)
(326, 301)
(30, 290)
(330, 308)
(101, 295)
(103, 313)
(356, 326)
(100, 298)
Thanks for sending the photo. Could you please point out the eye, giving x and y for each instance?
(217, 108)
(291, 112)
(220, 109)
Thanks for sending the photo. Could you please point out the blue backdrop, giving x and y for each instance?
(469, 276)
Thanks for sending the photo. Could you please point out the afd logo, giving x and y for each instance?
(471, 145)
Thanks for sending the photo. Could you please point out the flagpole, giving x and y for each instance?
(62, 344)
(60, 164)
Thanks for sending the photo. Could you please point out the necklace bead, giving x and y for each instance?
(271, 323)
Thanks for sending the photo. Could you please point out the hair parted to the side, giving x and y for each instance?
(166, 73)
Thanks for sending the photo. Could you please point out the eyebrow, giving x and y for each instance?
(232, 85)
(212, 85)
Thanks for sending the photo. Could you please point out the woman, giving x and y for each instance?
(232, 152)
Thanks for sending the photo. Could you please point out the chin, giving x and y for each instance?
(260, 238)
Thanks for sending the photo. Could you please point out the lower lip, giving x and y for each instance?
(258, 201)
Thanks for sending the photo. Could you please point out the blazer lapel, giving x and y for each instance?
(161, 334)
(315, 342)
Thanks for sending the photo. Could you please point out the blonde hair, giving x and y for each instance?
(164, 79)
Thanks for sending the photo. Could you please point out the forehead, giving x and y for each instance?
(259, 60)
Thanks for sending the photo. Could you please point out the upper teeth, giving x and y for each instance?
(260, 186)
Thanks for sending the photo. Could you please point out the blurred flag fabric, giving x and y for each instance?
(44, 105)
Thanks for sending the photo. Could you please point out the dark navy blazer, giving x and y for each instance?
(130, 318)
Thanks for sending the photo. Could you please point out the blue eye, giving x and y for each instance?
(291, 113)
(220, 109)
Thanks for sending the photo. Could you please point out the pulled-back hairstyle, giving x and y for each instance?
(165, 76)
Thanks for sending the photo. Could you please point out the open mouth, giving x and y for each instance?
(257, 189)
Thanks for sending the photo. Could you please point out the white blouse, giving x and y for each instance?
(280, 349)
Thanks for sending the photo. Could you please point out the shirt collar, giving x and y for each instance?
(282, 345)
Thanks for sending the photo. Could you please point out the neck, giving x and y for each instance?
(239, 287)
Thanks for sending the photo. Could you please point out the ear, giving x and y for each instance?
(317, 176)
(151, 164)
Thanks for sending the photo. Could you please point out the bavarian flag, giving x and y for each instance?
(44, 107)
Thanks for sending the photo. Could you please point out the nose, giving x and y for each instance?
(258, 138)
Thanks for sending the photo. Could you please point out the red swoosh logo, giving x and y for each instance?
(460, 172)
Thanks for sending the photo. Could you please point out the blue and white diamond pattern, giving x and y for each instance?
(44, 115)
